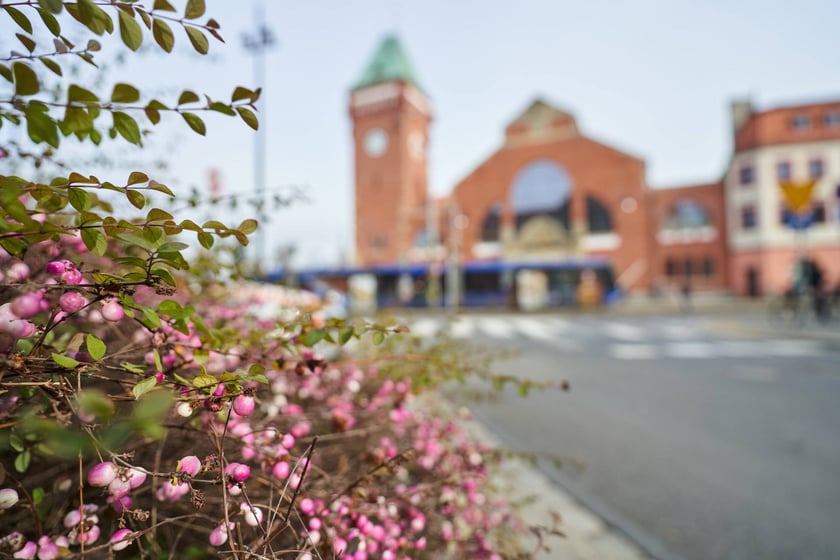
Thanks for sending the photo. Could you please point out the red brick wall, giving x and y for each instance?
(594, 169)
(710, 197)
(775, 126)
(391, 188)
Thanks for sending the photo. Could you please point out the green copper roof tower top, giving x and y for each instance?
(389, 64)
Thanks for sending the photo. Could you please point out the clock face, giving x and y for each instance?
(376, 142)
(417, 145)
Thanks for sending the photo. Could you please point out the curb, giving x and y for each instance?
(585, 536)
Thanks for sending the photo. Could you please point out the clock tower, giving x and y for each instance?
(391, 120)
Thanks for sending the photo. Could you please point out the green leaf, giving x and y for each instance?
(22, 461)
(27, 42)
(37, 495)
(241, 93)
(188, 96)
(130, 31)
(202, 381)
(94, 240)
(220, 107)
(95, 347)
(170, 246)
(164, 6)
(195, 123)
(378, 337)
(51, 64)
(26, 81)
(194, 9)
(6, 73)
(133, 368)
(249, 117)
(157, 215)
(125, 93)
(65, 361)
(206, 239)
(150, 317)
(79, 199)
(50, 22)
(198, 39)
(143, 387)
(344, 335)
(16, 442)
(40, 126)
(312, 337)
(248, 226)
(163, 35)
(20, 19)
(96, 402)
(79, 94)
(54, 6)
(127, 127)
(170, 307)
(136, 178)
(136, 198)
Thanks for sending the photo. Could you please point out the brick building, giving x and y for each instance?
(550, 195)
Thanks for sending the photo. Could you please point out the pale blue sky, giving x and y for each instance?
(652, 77)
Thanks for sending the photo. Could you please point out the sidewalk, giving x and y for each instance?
(587, 537)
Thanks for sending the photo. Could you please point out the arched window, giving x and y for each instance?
(598, 218)
(541, 188)
(687, 214)
(492, 223)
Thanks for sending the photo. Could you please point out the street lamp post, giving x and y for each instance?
(256, 44)
(457, 223)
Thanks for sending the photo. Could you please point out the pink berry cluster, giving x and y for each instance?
(367, 470)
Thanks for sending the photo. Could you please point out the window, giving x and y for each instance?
(801, 122)
(687, 214)
(689, 267)
(832, 119)
(672, 268)
(815, 168)
(749, 219)
(490, 227)
(597, 216)
(378, 241)
(746, 175)
(819, 212)
(708, 267)
(541, 188)
(783, 171)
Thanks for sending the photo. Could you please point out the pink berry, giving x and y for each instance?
(219, 536)
(189, 464)
(238, 472)
(27, 305)
(71, 302)
(120, 539)
(102, 474)
(243, 405)
(112, 310)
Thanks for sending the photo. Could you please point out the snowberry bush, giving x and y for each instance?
(147, 411)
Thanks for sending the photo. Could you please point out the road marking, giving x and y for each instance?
(621, 331)
(463, 327)
(678, 331)
(791, 348)
(425, 327)
(693, 349)
(739, 348)
(496, 327)
(535, 328)
(632, 351)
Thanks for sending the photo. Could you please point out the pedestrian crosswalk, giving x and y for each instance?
(676, 338)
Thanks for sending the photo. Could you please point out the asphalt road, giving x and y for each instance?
(695, 435)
